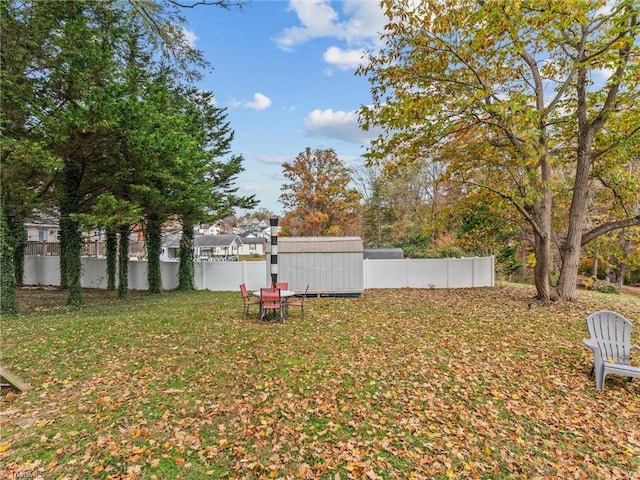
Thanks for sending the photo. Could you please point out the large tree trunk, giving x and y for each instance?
(112, 260)
(541, 216)
(572, 247)
(542, 269)
(8, 291)
(185, 272)
(123, 262)
(70, 236)
(18, 239)
(70, 259)
(154, 246)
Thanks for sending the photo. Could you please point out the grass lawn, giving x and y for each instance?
(397, 384)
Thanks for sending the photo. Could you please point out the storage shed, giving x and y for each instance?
(329, 265)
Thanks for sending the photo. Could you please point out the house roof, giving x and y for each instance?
(254, 240)
(173, 240)
(383, 253)
(217, 240)
(319, 244)
(38, 219)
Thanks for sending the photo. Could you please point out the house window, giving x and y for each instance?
(252, 247)
(43, 235)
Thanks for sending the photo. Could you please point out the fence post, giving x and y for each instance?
(473, 272)
(273, 222)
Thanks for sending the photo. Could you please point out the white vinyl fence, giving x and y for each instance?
(430, 273)
(227, 276)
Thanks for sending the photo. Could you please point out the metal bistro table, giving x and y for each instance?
(284, 294)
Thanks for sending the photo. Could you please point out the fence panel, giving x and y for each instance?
(226, 276)
(484, 273)
(429, 273)
(40, 270)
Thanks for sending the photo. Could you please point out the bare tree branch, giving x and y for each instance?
(218, 3)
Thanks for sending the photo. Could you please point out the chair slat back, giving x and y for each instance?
(612, 332)
(243, 290)
(281, 285)
(270, 296)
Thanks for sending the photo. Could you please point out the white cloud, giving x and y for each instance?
(603, 74)
(318, 19)
(273, 160)
(344, 59)
(336, 124)
(359, 26)
(366, 22)
(249, 188)
(190, 37)
(259, 102)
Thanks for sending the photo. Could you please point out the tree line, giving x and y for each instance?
(103, 126)
(525, 116)
(503, 124)
(508, 128)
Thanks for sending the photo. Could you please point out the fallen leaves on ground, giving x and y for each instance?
(397, 384)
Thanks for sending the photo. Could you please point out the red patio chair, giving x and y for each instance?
(270, 300)
(281, 285)
(298, 302)
(246, 300)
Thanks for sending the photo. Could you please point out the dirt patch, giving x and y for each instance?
(626, 289)
(631, 290)
(39, 299)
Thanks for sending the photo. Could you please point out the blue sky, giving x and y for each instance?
(284, 69)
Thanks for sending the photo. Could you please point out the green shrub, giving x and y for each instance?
(604, 286)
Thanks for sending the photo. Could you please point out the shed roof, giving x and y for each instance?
(319, 245)
(383, 253)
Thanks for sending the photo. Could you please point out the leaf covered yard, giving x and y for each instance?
(396, 384)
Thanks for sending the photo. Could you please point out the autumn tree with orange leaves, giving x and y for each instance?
(318, 198)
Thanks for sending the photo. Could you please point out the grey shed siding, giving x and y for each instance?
(326, 264)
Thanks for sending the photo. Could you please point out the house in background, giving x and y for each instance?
(43, 239)
(42, 228)
(209, 229)
(206, 247)
(170, 250)
(43, 235)
(252, 245)
(253, 226)
(217, 247)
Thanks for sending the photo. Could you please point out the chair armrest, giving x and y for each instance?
(591, 343)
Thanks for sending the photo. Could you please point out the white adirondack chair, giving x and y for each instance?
(611, 345)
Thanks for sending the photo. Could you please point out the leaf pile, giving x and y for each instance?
(397, 384)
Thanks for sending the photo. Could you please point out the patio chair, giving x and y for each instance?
(611, 345)
(298, 302)
(270, 299)
(247, 301)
